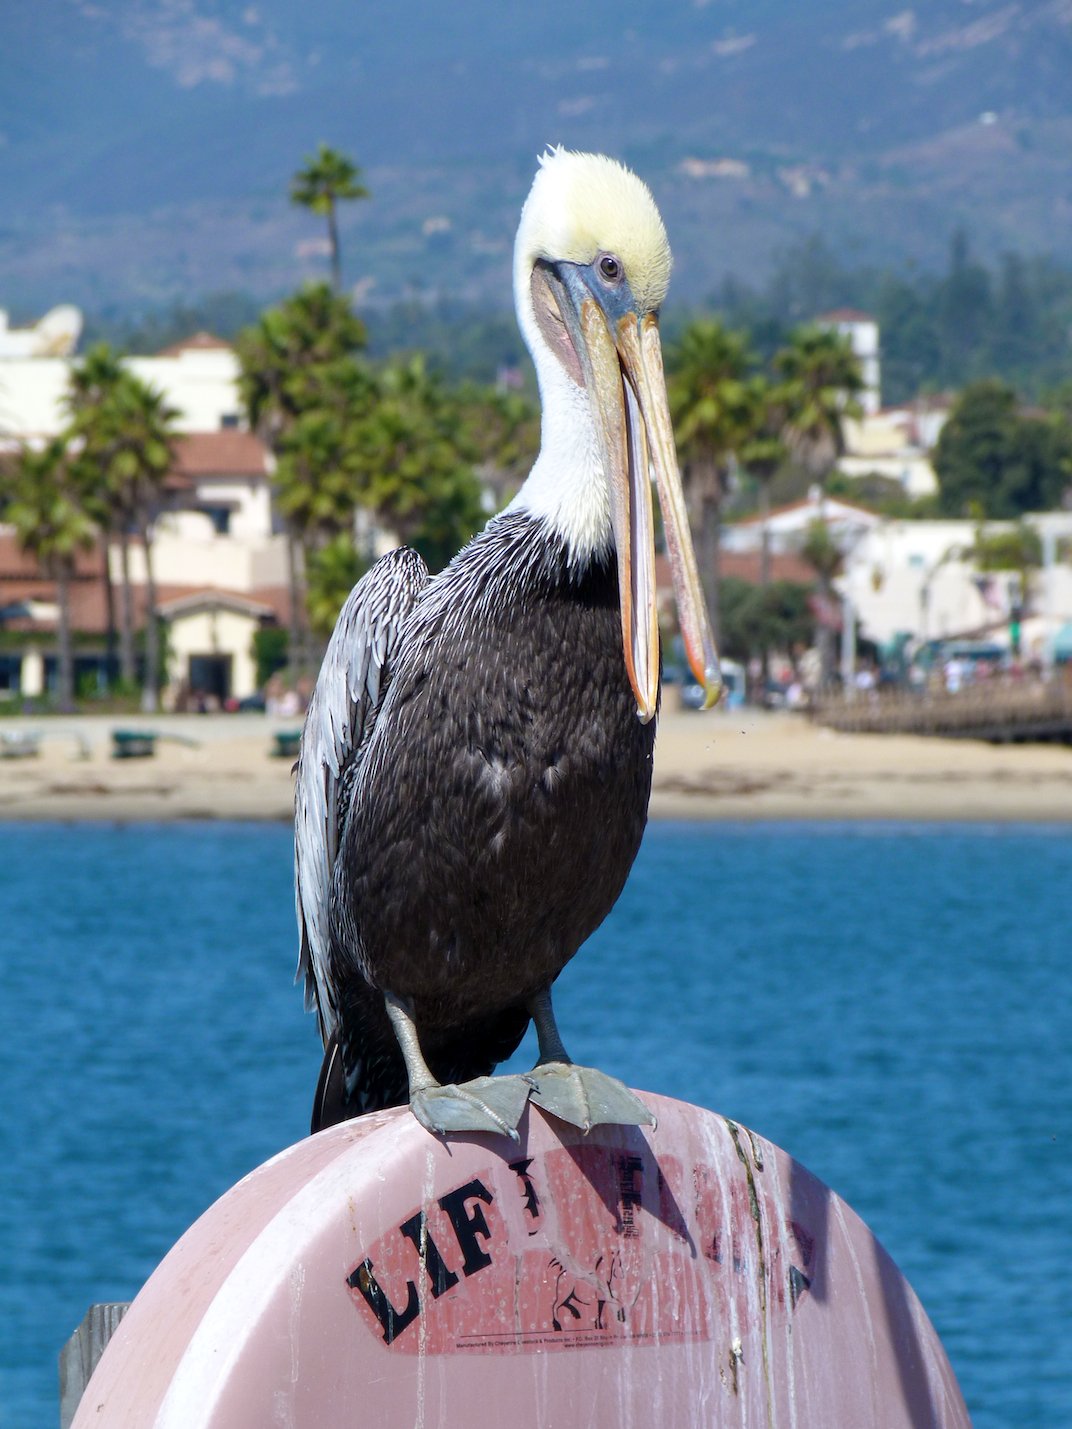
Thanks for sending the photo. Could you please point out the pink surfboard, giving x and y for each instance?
(375, 1275)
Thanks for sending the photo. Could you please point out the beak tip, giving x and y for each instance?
(713, 687)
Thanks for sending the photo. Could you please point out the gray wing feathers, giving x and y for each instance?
(339, 720)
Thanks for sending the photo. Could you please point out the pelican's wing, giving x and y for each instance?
(341, 714)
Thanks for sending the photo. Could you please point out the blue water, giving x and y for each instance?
(889, 1004)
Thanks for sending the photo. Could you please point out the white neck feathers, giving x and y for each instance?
(566, 486)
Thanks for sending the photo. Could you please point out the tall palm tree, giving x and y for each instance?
(820, 376)
(712, 403)
(52, 526)
(89, 383)
(148, 428)
(415, 462)
(302, 388)
(823, 554)
(124, 433)
(763, 454)
(327, 177)
(503, 430)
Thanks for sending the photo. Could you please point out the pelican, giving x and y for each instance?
(476, 759)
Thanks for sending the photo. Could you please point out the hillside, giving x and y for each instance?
(145, 148)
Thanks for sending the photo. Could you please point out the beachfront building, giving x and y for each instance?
(896, 444)
(198, 377)
(861, 331)
(55, 335)
(787, 526)
(918, 579)
(892, 442)
(219, 555)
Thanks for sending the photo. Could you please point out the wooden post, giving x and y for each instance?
(79, 1356)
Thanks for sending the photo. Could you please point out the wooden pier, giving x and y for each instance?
(998, 712)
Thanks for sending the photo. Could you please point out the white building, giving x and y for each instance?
(861, 329)
(56, 335)
(888, 443)
(219, 557)
(917, 578)
(199, 378)
(787, 526)
(892, 442)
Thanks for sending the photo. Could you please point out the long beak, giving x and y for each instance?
(627, 389)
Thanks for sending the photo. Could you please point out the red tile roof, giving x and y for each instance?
(198, 341)
(833, 505)
(744, 566)
(225, 453)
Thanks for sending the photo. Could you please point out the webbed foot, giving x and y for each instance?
(586, 1097)
(492, 1104)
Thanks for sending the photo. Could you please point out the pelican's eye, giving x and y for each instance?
(610, 268)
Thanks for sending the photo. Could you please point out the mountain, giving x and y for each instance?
(146, 145)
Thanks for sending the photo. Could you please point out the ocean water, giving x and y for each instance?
(888, 1003)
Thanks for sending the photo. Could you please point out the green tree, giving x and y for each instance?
(334, 570)
(823, 554)
(146, 453)
(759, 620)
(820, 377)
(89, 386)
(502, 429)
(911, 344)
(1018, 549)
(965, 311)
(764, 452)
(415, 464)
(124, 433)
(305, 393)
(713, 406)
(327, 178)
(992, 457)
(51, 524)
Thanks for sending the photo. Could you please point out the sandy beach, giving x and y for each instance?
(723, 765)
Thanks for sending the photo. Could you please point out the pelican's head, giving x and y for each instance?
(591, 269)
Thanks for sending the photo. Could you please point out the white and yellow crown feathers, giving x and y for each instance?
(581, 205)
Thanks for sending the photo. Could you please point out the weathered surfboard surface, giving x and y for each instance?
(373, 1274)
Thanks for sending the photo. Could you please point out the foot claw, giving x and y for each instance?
(586, 1097)
(492, 1104)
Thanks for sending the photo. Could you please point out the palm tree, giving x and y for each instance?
(327, 177)
(52, 526)
(763, 454)
(713, 407)
(820, 378)
(415, 463)
(147, 425)
(124, 432)
(503, 431)
(302, 389)
(88, 385)
(823, 554)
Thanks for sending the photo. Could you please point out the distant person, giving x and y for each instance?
(954, 675)
(274, 691)
(290, 704)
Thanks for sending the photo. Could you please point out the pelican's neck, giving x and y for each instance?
(566, 487)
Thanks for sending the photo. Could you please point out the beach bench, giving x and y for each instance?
(19, 744)
(133, 743)
(286, 743)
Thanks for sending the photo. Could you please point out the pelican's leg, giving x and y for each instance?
(484, 1104)
(580, 1095)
